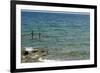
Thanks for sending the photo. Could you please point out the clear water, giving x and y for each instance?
(60, 33)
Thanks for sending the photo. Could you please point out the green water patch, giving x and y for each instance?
(81, 55)
(71, 55)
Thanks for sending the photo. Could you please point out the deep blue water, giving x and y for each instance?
(63, 31)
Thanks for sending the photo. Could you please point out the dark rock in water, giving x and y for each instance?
(26, 53)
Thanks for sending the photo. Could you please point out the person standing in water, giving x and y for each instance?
(39, 35)
(32, 34)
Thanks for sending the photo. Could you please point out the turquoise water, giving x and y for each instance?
(60, 33)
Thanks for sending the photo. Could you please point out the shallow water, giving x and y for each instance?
(60, 32)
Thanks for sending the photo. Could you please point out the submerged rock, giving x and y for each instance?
(33, 55)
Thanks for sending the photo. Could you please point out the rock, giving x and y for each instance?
(34, 55)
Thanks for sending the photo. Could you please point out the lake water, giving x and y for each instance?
(65, 35)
